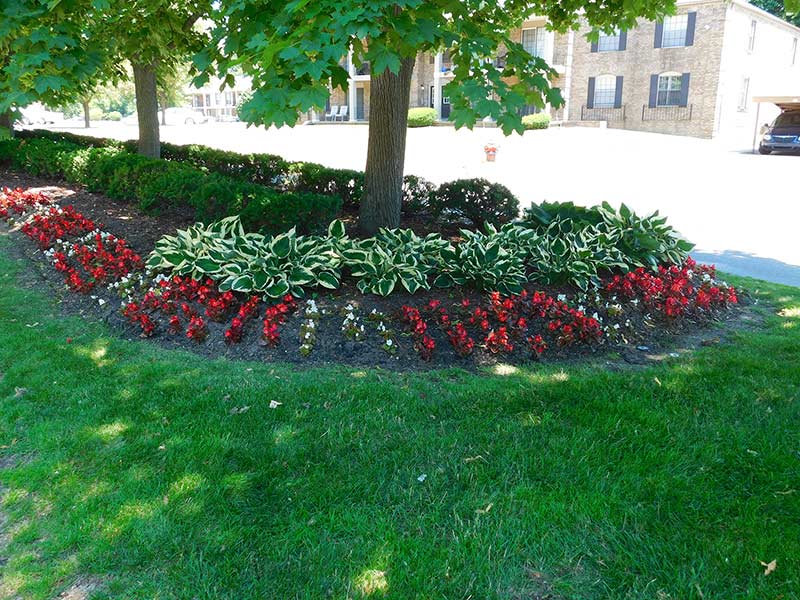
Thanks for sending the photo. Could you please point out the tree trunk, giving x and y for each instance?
(6, 123)
(87, 121)
(144, 81)
(386, 150)
(163, 102)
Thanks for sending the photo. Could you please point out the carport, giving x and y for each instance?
(782, 102)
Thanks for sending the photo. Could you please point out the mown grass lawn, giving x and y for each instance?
(123, 466)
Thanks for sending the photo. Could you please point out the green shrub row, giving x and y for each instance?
(536, 121)
(480, 201)
(159, 185)
(421, 117)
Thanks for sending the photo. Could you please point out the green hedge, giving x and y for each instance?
(483, 201)
(421, 117)
(158, 185)
(537, 121)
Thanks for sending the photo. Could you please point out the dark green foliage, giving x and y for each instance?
(273, 212)
(416, 195)
(475, 200)
(8, 149)
(41, 156)
(311, 177)
(540, 216)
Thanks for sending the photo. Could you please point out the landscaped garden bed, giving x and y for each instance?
(553, 287)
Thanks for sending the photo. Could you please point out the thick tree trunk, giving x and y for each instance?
(144, 81)
(5, 122)
(386, 150)
(87, 120)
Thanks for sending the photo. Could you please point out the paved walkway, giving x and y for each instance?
(741, 210)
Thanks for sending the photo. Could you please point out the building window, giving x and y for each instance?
(230, 98)
(669, 90)
(608, 43)
(743, 99)
(751, 42)
(674, 32)
(533, 40)
(794, 51)
(605, 91)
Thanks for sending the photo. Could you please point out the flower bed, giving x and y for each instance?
(457, 325)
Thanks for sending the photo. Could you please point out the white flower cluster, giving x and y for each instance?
(387, 335)
(309, 327)
(352, 327)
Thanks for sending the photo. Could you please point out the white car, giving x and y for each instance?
(175, 115)
(179, 115)
(36, 114)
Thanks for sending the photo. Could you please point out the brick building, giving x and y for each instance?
(694, 73)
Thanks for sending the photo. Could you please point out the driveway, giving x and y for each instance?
(740, 209)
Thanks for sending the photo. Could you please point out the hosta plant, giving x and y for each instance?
(482, 261)
(392, 257)
(249, 262)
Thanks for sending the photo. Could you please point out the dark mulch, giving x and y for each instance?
(648, 345)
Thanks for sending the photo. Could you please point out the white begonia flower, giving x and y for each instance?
(389, 342)
(561, 297)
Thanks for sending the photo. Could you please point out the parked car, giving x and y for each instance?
(175, 115)
(36, 114)
(180, 115)
(783, 134)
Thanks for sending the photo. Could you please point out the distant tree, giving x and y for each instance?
(777, 8)
(293, 51)
(46, 55)
(60, 51)
(171, 88)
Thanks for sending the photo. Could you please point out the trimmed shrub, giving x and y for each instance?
(416, 195)
(8, 149)
(41, 156)
(273, 212)
(95, 114)
(5, 134)
(536, 121)
(318, 179)
(113, 116)
(476, 201)
(158, 185)
(421, 117)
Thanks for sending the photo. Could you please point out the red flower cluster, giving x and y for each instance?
(57, 224)
(498, 341)
(233, 335)
(19, 201)
(423, 343)
(197, 330)
(674, 290)
(275, 316)
(536, 345)
(459, 338)
(134, 313)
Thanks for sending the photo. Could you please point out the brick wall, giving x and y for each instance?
(641, 59)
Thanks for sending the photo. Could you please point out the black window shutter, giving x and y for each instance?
(690, 24)
(618, 93)
(685, 89)
(623, 40)
(653, 91)
(594, 46)
(590, 97)
(659, 34)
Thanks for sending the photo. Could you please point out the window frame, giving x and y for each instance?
(672, 97)
(744, 94)
(615, 47)
(794, 51)
(673, 32)
(540, 39)
(751, 40)
(608, 93)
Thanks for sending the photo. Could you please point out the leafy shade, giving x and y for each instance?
(294, 50)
